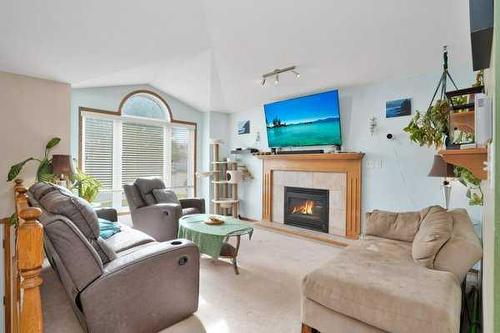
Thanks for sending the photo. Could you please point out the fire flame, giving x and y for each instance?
(305, 208)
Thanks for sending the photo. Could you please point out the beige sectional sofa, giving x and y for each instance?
(404, 276)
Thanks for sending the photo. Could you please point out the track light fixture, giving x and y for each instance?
(276, 74)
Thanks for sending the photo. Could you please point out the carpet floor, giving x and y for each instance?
(265, 297)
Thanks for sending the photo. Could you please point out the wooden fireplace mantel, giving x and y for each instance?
(348, 163)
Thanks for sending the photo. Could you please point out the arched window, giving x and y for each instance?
(140, 140)
(145, 105)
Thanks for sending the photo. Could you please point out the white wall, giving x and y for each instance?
(109, 98)
(32, 112)
(401, 183)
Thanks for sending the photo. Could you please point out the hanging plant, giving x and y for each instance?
(429, 129)
(473, 184)
(44, 171)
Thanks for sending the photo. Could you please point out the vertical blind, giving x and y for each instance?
(98, 148)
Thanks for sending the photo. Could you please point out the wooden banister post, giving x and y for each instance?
(30, 259)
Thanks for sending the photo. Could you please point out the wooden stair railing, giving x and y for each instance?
(25, 266)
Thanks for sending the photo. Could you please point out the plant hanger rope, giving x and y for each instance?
(443, 80)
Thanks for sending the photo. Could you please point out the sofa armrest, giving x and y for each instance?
(146, 290)
(109, 214)
(159, 221)
(198, 203)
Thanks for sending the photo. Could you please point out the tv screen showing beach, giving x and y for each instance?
(305, 121)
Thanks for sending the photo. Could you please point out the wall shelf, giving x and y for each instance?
(463, 120)
(472, 159)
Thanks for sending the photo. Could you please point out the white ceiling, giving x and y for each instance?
(211, 54)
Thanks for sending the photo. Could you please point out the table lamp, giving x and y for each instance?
(444, 170)
(62, 167)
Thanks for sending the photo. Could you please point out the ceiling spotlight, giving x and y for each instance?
(276, 74)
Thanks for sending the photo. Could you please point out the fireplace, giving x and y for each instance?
(306, 208)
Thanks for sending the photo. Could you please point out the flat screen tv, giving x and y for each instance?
(312, 120)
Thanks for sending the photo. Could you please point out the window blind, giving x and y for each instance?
(98, 148)
(142, 151)
(182, 151)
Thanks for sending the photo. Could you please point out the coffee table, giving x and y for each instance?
(213, 239)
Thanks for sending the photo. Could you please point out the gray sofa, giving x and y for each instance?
(126, 283)
(158, 218)
(405, 276)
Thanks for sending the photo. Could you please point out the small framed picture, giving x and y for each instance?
(398, 108)
(243, 127)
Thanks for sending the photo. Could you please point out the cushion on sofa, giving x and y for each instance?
(165, 196)
(74, 208)
(462, 250)
(435, 230)
(40, 189)
(377, 282)
(127, 238)
(80, 259)
(62, 202)
(392, 225)
(146, 187)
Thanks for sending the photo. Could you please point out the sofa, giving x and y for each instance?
(404, 276)
(128, 282)
(156, 210)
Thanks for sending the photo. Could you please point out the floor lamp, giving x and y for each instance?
(444, 170)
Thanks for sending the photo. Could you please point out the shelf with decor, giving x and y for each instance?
(473, 159)
(462, 111)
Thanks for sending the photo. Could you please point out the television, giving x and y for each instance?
(312, 120)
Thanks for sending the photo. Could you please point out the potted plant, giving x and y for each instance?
(87, 186)
(44, 171)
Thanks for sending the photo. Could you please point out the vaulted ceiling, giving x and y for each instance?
(211, 54)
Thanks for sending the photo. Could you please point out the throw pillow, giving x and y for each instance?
(166, 196)
(435, 230)
(146, 187)
(108, 228)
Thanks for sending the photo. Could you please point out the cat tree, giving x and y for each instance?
(225, 175)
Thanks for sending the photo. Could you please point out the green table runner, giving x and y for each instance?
(210, 238)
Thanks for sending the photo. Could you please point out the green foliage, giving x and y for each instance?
(16, 169)
(44, 171)
(430, 128)
(459, 100)
(13, 219)
(88, 187)
(473, 184)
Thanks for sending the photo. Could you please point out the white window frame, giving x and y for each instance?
(167, 124)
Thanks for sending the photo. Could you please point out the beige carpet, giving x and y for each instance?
(265, 297)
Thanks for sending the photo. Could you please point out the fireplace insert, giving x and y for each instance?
(306, 208)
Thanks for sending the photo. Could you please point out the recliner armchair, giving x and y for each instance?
(120, 284)
(159, 220)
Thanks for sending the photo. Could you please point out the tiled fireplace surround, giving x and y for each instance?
(339, 173)
(334, 182)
